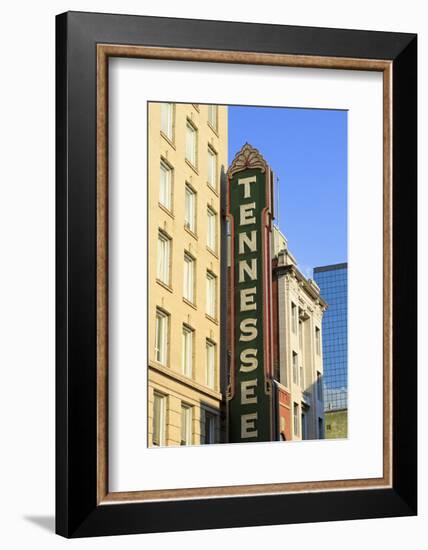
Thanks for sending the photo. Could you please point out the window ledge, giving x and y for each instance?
(164, 285)
(215, 130)
(211, 318)
(189, 303)
(165, 209)
(168, 140)
(191, 232)
(213, 189)
(213, 252)
(159, 364)
(192, 167)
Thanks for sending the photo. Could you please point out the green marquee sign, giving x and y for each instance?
(249, 210)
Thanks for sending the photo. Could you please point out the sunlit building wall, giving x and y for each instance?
(187, 157)
(298, 358)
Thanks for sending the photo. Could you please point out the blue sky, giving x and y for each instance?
(307, 150)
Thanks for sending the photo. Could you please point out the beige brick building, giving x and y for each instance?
(187, 157)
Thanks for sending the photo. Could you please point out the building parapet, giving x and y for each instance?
(308, 285)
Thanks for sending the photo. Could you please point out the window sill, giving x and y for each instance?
(165, 209)
(192, 167)
(215, 130)
(159, 364)
(189, 303)
(213, 189)
(213, 252)
(168, 140)
(191, 233)
(164, 285)
(212, 319)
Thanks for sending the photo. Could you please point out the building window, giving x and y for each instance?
(186, 425)
(187, 359)
(300, 334)
(211, 294)
(318, 340)
(189, 278)
(296, 419)
(333, 344)
(284, 376)
(294, 317)
(161, 337)
(319, 386)
(159, 419)
(212, 168)
(165, 186)
(302, 377)
(191, 140)
(295, 365)
(212, 116)
(320, 428)
(167, 119)
(190, 209)
(210, 372)
(164, 254)
(211, 229)
(304, 426)
(210, 422)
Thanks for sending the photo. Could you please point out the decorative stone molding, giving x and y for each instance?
(298, 282)
(248, 157)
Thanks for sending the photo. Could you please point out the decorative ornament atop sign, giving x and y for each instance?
(248, 157)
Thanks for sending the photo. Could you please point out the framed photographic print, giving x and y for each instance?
(236, 274)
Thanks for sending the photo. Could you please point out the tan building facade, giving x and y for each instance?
(187, 157)
(299, 365)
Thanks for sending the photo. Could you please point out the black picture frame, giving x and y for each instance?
(77, 512)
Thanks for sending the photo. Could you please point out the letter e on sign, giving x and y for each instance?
(246, 213)
(248, 425)
(248, 387)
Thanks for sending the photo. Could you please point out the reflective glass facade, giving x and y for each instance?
(333, 282)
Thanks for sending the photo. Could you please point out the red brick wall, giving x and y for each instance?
(284, 398)
(285, 426)
(275, 333)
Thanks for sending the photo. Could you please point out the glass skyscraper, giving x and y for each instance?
(333, 283)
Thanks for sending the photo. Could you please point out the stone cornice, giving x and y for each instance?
(291, 270)
(189, 382)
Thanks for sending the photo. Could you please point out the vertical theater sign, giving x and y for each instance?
(250, 406)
